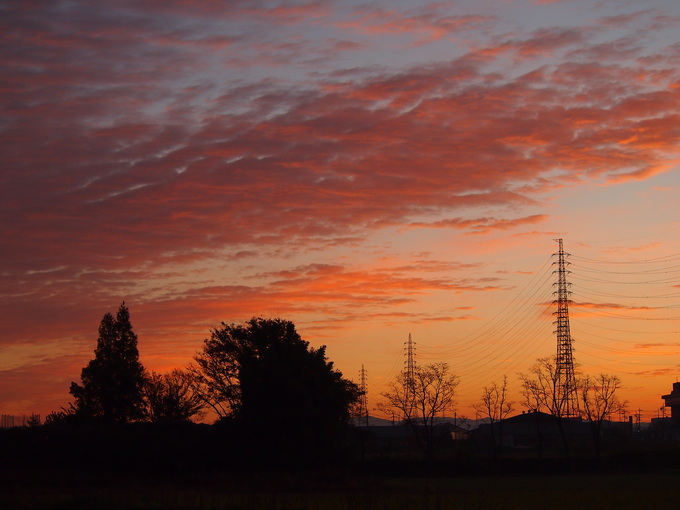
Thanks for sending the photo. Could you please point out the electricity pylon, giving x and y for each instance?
(566, 398)
(409, 378)
(363, 399)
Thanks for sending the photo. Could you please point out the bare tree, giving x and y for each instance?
(599, 401)
(216, 383)
(494, 408)
(172, 397)
(539, 387)
(541, 393)
(421, 398)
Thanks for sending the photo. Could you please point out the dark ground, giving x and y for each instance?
(192, 467)
(47, 489)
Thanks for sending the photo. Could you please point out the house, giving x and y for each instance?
(672, 400)
(458, 433)
(533, 430)
(668, 429)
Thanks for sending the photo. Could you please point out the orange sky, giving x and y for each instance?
(364, 171)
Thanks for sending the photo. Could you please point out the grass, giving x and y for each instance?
(45, 489)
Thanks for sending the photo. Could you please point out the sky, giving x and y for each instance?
(367, 170)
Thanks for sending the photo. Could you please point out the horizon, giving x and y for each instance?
(366, 171)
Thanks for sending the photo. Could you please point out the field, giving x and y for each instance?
(45, 489)
(144, 468)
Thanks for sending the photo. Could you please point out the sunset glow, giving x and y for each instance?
(365, 171)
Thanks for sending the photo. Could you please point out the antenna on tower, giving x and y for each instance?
(566, 401)
(363, 399)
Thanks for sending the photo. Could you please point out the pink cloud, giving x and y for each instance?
(136, 146)
(428, 22)
(483, 225)
(547, 41)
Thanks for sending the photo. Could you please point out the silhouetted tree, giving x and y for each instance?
(541, 391)
(599, 401)
(33, 421)
(111, 383)
(284, 394)
(494, 408)
(540, 387)
(65, 415)
(431, 391)
(172, 397)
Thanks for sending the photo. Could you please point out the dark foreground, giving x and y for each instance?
(45, 489)
(200, 467)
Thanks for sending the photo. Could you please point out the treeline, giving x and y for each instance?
(277, 400)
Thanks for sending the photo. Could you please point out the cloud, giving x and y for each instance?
(546, 41)
(483, 225)
(326, 164)
(607, 306)
(206, 159)
(651, 346)
(428, 22)
(657, 372)
(317, 166)
(618, 250)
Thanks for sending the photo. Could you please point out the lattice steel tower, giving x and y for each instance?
(409, 377)
(566, 398)
(363, 399)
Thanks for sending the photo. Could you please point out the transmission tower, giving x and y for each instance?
(409, 377)
(363, 399)
(566, 398)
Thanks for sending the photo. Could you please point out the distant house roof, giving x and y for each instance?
(529, 422)
(533, 429)
(530, 417)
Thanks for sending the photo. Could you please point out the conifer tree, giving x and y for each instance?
(112, 383)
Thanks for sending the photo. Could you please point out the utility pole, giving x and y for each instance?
(566, 398)
(363, 399)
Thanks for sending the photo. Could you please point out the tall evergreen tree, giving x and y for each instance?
(112, 383)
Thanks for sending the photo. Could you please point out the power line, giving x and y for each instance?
(601, 296)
